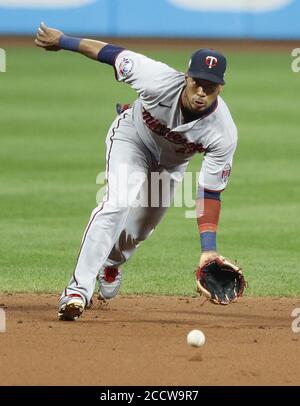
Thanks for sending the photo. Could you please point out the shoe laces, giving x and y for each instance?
(110, 274)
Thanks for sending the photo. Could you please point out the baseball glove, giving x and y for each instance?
(220, 281)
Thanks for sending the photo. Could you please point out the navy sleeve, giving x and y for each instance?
(109, 53)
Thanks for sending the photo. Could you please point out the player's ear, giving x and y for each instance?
(221, 88)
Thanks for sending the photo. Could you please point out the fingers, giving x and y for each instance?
(42, 30)
(47, 38)
(40, 36)
(40, 43)
(43, 27)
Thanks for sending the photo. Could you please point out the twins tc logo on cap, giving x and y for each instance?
(211, 61)
(208, 64)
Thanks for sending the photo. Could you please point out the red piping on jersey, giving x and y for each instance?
(114, 64)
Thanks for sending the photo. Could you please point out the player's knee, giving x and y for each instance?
(107, 208)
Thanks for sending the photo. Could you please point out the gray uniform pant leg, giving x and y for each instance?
(141, 221)
(125, 152)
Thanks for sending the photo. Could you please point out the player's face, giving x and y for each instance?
(199, 94)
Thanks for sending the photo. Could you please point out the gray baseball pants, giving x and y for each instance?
(130, 210)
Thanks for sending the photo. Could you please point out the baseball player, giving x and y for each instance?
(175, 116)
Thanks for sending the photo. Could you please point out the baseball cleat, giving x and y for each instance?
(71, 307)
(109, 282)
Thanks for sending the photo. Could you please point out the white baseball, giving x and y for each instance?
(195, 338)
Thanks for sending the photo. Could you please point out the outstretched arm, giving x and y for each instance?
(54, 40)
(208, 209)
(213, 179)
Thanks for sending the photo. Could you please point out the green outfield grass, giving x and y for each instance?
(55, 112)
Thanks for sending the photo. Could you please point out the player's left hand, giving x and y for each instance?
(221, 281)
(48, 38)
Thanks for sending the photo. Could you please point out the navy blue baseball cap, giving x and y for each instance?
(208, 64)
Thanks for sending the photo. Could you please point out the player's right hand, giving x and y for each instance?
(48, 38)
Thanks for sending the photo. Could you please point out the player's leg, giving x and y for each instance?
(124, 153)
(140, 223)
(110, 276)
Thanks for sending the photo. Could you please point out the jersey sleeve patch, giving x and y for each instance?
(125, 67)
(226, 173)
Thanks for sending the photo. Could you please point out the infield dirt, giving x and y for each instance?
(141, 340)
